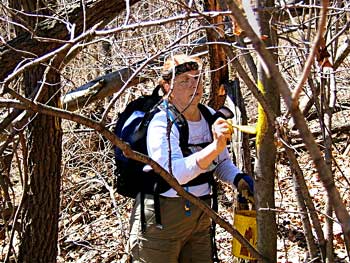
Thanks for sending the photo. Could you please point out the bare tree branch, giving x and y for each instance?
(311, 58)
(27, 47)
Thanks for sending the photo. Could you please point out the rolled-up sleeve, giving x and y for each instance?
(226, 171)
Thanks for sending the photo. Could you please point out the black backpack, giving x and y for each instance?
(132, 127)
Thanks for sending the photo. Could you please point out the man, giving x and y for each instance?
(183, 233)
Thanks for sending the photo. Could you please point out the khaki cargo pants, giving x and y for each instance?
(182, 239)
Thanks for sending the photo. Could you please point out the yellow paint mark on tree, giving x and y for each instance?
(261, 127)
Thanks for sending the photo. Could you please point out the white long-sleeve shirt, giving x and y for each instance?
(184, 169)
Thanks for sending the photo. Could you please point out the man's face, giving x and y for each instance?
(187, 89)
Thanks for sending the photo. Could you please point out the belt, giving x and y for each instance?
(203, 197)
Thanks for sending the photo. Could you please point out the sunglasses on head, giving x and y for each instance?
(179, 69)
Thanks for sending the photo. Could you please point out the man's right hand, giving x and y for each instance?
(245, 186)
(222, 132)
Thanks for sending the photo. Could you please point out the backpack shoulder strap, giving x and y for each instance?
(207, 114)
(224, 112)
(178, 120)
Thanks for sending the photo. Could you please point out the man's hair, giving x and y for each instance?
(172, 63)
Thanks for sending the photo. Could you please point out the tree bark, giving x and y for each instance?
(240, 140)
(265, 176)
(266, 149)
(217, 58)
(41, 198)
(41, 191)
(328, 90)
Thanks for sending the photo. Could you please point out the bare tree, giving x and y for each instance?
(265, 147)
(58, 52)
(39, 207)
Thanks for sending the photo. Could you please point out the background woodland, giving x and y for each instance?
(69, 67)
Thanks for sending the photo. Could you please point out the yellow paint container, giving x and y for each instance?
(245, 223)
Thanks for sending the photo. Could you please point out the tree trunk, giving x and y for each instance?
(266, 152)
(41, 193)
(265, 178)
(217, 57)
(240, 140)
(42, 197)
(328, 91)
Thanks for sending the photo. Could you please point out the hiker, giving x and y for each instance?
(184, 231)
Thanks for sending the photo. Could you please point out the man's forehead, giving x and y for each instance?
(192, 73)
